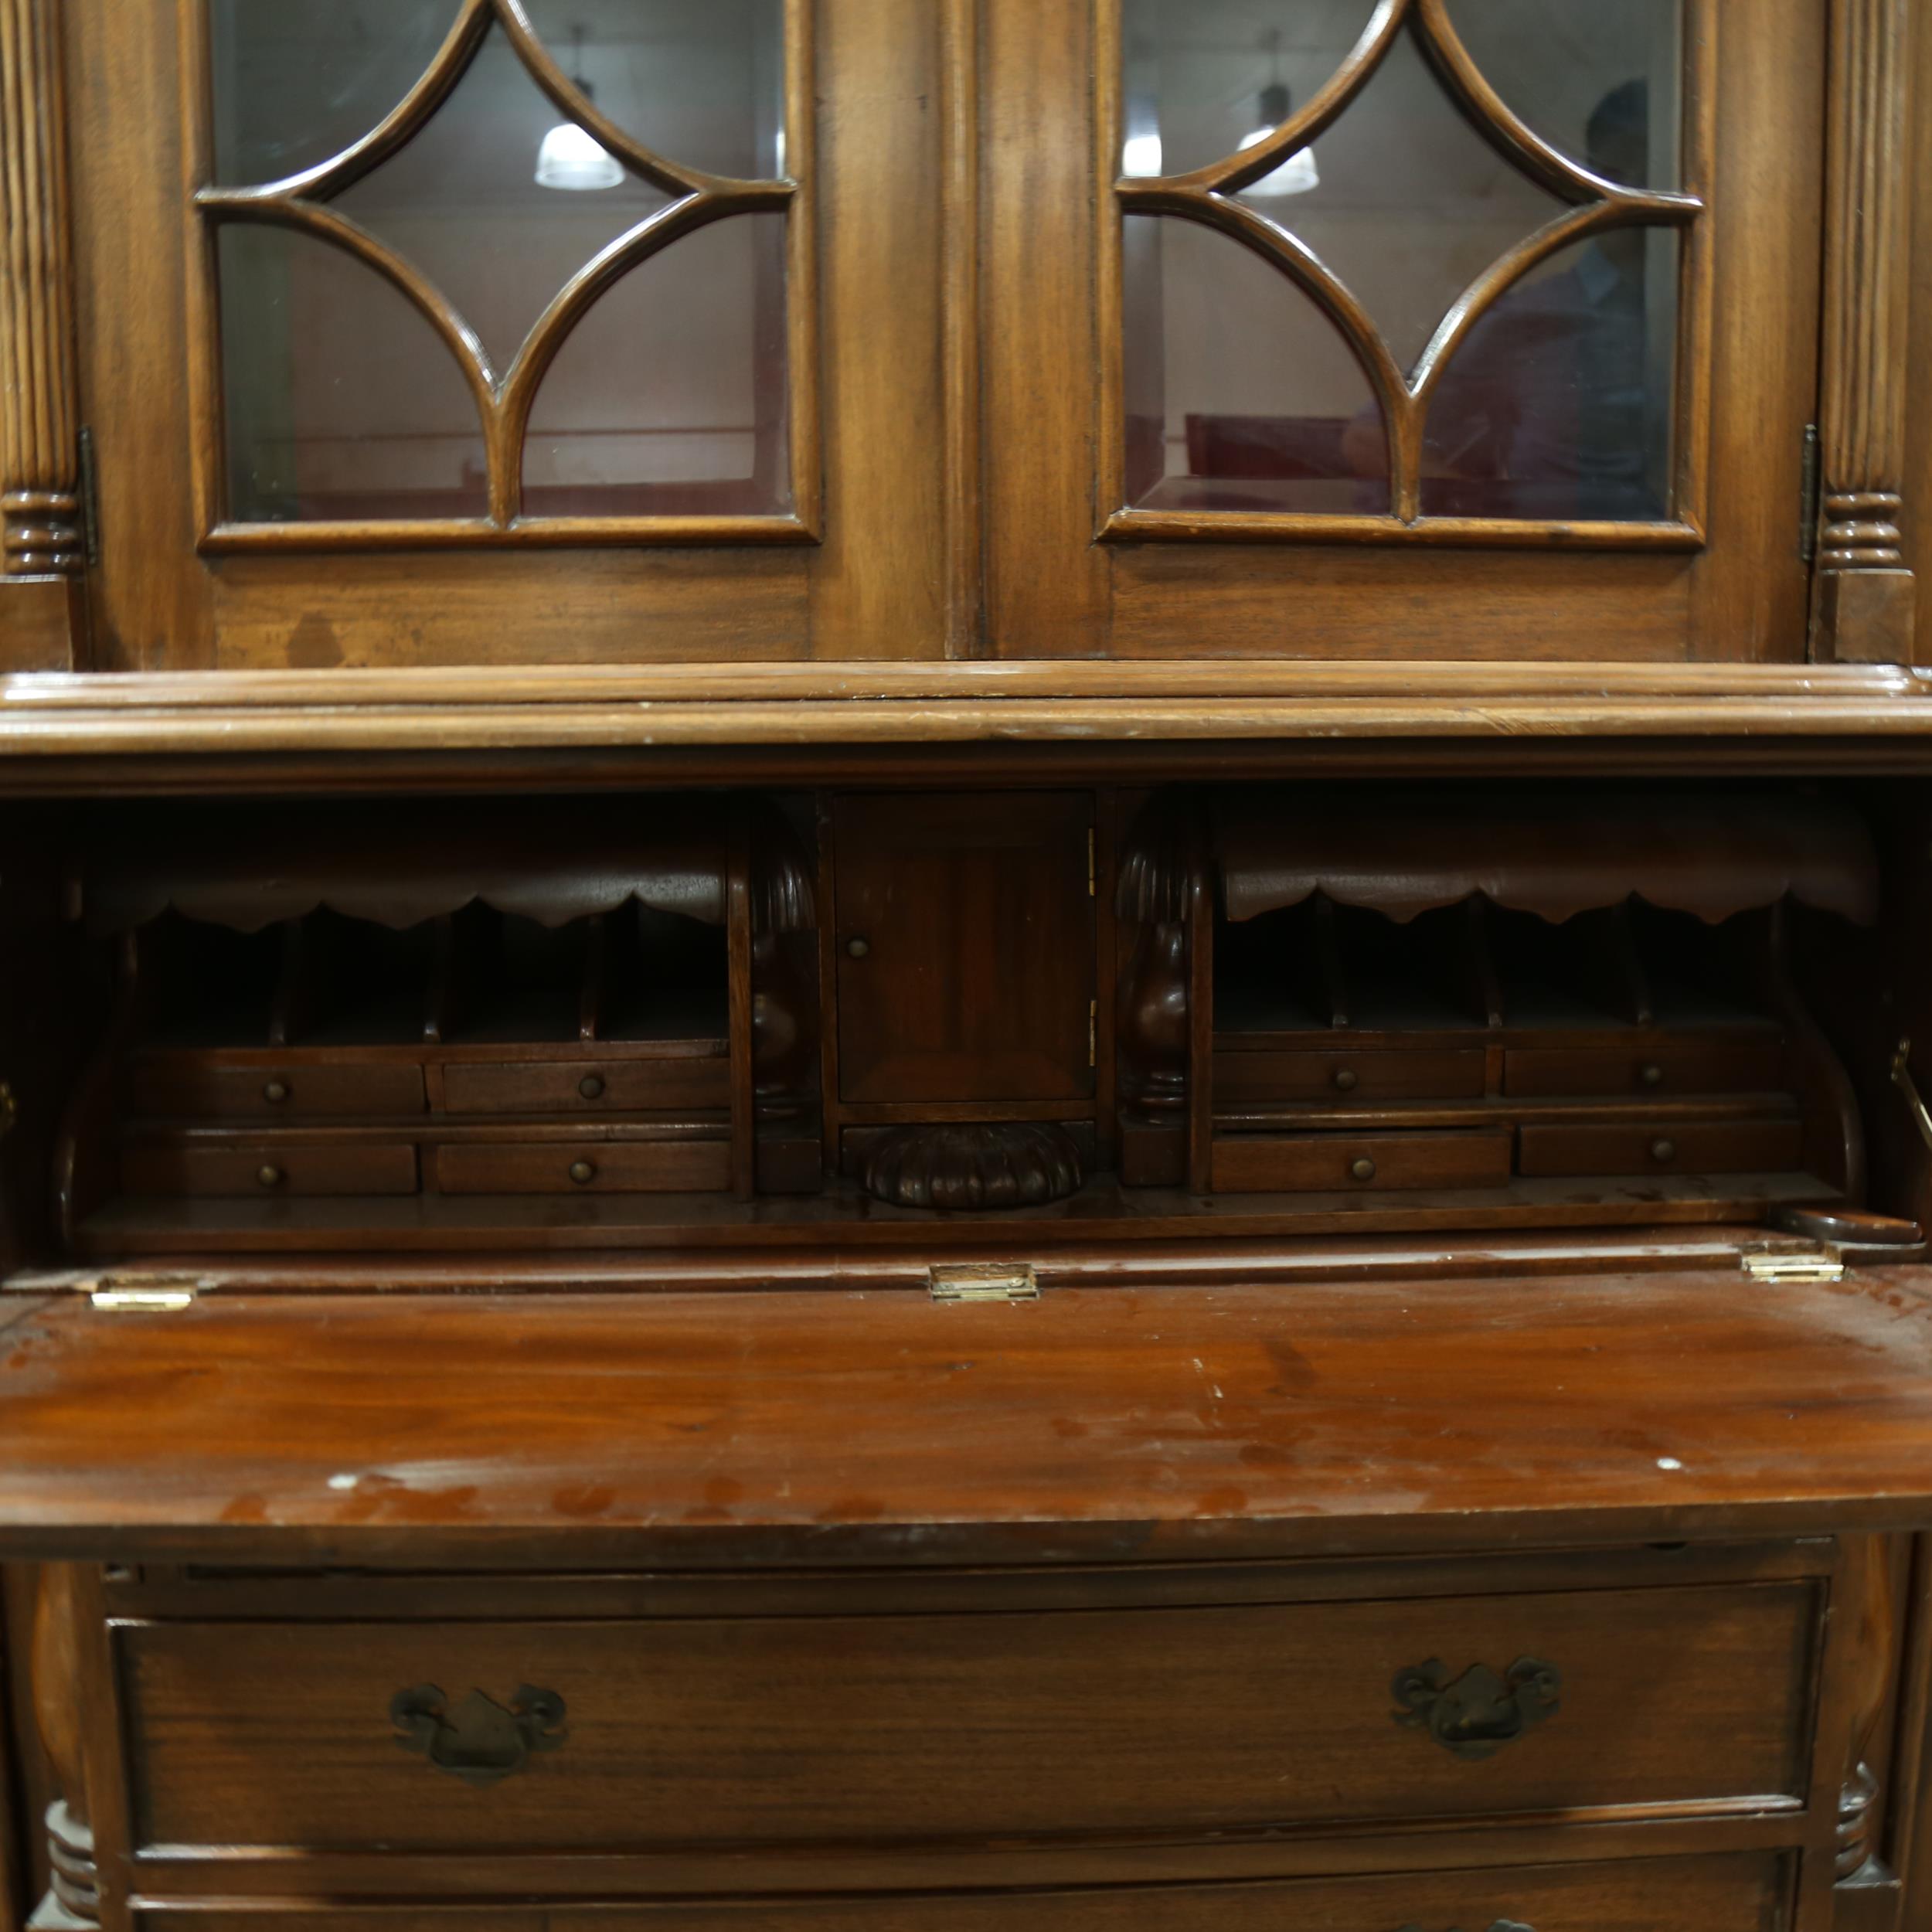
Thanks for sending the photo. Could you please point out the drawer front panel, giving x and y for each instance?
(959, 1728)
(588, 1087)
(1359, 1163)
(1343, 1076)
(1541, 1071)
(605, 1167)
(1669, 1147)
(170, 1088)
(1728, 1892)
(268, 1170)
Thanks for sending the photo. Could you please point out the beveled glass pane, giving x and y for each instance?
(340, 400)
(1240, 393)
(1599, 80)
(295, 84)
(1560, 404)
(1408, 204)
(670, 397)
(699, 82)
(462, 202)
(1195, 71)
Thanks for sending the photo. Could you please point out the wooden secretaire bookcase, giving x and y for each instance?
(966, 965)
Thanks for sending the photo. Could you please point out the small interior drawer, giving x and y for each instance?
(965, 1727)
(589, 1086)
(269, 1169)
(183, 1087)
(1339, 1074)
(1549, 1072)
(563, 1167)
(1360, 1163)
(1662, 1146)
(1724, 1892)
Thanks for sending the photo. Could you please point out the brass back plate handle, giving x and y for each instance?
(478, 1740)
(1479, 1713)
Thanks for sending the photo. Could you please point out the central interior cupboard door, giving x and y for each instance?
(1448, 329)
(510, 331)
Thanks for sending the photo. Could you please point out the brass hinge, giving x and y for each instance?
(1092, 1032)
(1810, 495)
(143, 1294)
(143, 1301)
(89, 498)
(983, 1281)
(1795, 1265)
(1093, 865)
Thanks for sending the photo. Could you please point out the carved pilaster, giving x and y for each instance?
(1862, 609)
(39, 435)
(73, 1903)
(1867, 1587)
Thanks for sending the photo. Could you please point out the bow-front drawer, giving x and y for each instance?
(1731, 1893)
(967, 1727)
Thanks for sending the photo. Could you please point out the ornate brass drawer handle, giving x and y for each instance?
(1479, 1713)
(479, 1741)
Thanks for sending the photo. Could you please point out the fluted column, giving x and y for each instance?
(1863, 605)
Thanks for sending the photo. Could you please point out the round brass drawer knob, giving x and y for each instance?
(591, 1086)
(1363, 1169)
(1651, 1075)
(1663, 1151)
(275, 1092)
(859, 948)
(583, 1173)
(1346, 1079)
(270, 1175)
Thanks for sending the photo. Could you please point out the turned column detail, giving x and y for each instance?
(73, 1904)
(39, 431)
(1869, 1597)
(1863, 603)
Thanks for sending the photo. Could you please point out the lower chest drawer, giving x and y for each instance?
(964, 1727)
(1728, 1892)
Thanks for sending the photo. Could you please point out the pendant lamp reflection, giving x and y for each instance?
(1298, 173)
(571, 159)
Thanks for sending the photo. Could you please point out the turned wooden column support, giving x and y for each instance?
(1863, 599)
(1868, 1596)
(73, 1904)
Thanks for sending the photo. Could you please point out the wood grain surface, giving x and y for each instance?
(1329, 1417)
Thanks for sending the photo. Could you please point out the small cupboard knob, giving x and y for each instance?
(1662, 1151)
(275, 1092)
(1346, 1079)
(583, 1173)
(591, 1086)
(1363, 1169)
(859, 948)
(1651, 1074)
(268, 1175)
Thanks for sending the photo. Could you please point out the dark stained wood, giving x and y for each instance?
(1373, 1159)
(1722, 1893)
(765, 1730)
(975, 973)
(1324, 1417)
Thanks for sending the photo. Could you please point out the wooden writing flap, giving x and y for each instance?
(1324, 1416)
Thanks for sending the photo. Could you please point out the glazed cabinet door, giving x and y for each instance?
(1449, 329)
(492, 331)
